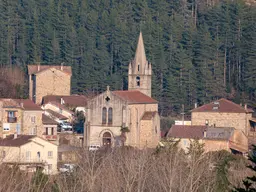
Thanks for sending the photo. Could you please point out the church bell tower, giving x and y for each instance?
(140, 71)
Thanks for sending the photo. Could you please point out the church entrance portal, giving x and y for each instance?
(106, 139)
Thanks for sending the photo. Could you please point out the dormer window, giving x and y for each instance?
(138, 81)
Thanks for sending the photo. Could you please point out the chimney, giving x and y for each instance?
(245, 106)
(205, 133)
(62, 102)
(195, 105)
(15, 136)
(61, 66)
(21, 104)
(38, 67)
(4, 136)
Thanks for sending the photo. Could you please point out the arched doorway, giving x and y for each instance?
(106, 139)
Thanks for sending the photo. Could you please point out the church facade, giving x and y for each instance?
(130, 117)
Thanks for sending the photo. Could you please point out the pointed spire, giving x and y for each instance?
(140, 55)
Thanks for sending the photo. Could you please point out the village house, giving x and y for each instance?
(127, 117)
(50, 129)
(29, 152)
(212, 138)
(72, 102)
(54, 107)
(20, 116)
(223, 113)
(48, 80)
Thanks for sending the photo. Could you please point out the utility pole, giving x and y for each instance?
(182, 113)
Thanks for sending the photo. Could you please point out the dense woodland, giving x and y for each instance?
(200, 50)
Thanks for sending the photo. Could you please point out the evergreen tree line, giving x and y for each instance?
(200, 50)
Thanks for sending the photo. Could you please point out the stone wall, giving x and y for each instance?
(51, 82)
(145, 83)
(149, 132)
(29, 124)
(136, 112)
(237, 120)
(216, 145)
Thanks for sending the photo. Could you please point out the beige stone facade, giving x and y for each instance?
(21, 117)
(140, 70)
(132, 110)
(53, 80)
(143, 133)
(239, 121)
(28, 151)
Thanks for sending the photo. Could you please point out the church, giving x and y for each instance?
(115, 118)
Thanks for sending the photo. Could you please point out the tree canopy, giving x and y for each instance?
(199, 50)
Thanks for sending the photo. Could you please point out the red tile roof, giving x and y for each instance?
(222, 105)
(20, 140)
(48, 121)
(55, 114)
(70, 100)
(25, 104)
(28, 104)
(63, 107)
(187, 131)
(148, 115)
(33, 69)
(134, 97)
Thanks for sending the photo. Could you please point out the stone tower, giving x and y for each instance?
(140, 71)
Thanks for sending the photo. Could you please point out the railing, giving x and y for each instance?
(51, 137)
(11, 119)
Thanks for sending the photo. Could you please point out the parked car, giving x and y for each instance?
(94, 147)
(67, 168)
(65, 125)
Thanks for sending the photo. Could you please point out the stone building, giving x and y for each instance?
(140, 71)
(223, 113)
(212, 138)
(134, 110)
(29, 152)
(20, 116)
(48, 80)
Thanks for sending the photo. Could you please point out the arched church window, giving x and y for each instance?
(106, 139)
(104, 115)
(110, 115)
(138, 81)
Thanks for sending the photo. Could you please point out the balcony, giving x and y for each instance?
(51, 137)
(11, 119)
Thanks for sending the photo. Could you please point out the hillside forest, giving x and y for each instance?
(200, 50)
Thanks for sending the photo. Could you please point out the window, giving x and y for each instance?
(155, 129)
(6, 127)
(33, 131)
(104, 115)
(50, 167)
(11, 117)
(28, 155)
(52, 131)
(138, 81)
(38, 155)
(110, 115)
(139, 67)
(11, 113)
(50, 154)
(33, 119)
(46, 131)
